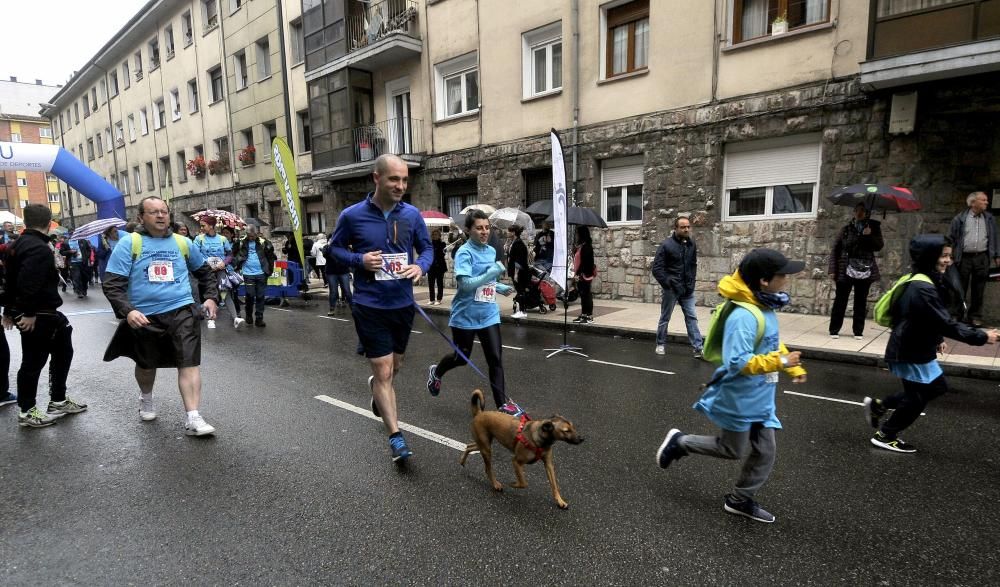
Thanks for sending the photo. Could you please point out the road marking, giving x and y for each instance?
(433, 436)
(514, 348)
(281, 309)
(832, 399)
(631, 367)
(85, 312)
(416, 332)
(332, 318)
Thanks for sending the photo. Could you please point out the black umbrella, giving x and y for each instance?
(540, 208)
(282, 230)
(582, 217)
(876, 196)
(256, 222)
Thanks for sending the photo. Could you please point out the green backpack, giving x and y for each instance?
(182, 243)
(883, 307)
(712, 345)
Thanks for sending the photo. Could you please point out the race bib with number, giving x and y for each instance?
(392, 265)
(771, 377)
(160, 272)
(486, 293)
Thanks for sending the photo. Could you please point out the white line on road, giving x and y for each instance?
(434, 436)
(416, 332)
(631, 367)
(332, 318)
(831, 399)
(281, 309)
(514, 348)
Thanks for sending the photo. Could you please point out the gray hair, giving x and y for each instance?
(972, 197)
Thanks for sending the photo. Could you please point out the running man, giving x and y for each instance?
(376, 238)
(218, 252)
(474, 311)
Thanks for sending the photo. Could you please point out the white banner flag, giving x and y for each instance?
(558, 211)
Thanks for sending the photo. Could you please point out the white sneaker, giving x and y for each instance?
(519, 315)
(237, 322)
(198, 427)
(858, 337)
(147, 411)
(661, 349)
(835, 336)
(211, 323)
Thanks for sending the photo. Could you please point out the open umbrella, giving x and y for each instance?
(226, 217)
(540, 208)
(435, 218)
(484, 207)
(504, 218)
(583, 217)
(876, 196)
(96, 227)
(287, 230)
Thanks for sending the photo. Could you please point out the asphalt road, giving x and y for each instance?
(295, 490)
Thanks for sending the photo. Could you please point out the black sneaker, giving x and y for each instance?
(433, 381)
(580, 319)
(7, 398)
(371, 388)
(249, 319)
(748, 508)
(260, 322)
(894, 444)
(670, 450)
(874, 410)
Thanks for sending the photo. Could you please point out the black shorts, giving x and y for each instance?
(382, 332)
(172, 340)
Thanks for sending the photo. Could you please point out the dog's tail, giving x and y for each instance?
(477, 402)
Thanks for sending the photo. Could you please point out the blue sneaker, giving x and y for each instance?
(7, 398)
(400, 452)
(670, 450)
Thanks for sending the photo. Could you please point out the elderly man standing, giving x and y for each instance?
(974, 236)
(675, 267)
(147, 285)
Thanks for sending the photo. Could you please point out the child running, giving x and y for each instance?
(920, 322)
(474, 311)
(740, 397)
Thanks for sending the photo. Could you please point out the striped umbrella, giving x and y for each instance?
(96, 227)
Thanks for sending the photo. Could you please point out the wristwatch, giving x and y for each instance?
(784, 361)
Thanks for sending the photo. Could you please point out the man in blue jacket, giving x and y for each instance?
(376, 239)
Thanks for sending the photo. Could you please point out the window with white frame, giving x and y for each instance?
(215, 81)
(193, 95)
(182, 175)
(108, 143)
(263, 58)
(150, 178)
(15, 137)
(45, 133)
(457, 86)
(175, 104)
(621, 189)
(131, 128)
(113, 76)
(126, 80)
(295, 34)
(209, 14)
(187, 28)
(119, 134)
(138, 65)
(165, 171)
(542, 60)
(240, 64)
(22, 182)
(754, 18)
(54, 198)
(137, 176)
(123, 182)
(159, 114)
(235, 5)
(103, 93)
(772, 178)
(168, 41)
(143, 121)
(98, 145)
(626, 37)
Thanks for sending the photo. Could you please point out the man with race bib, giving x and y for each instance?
(376, 239)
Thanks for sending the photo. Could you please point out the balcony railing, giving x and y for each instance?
(381, 19)
(399, 136)
(954, 23)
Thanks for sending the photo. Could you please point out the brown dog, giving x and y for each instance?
(529, 440)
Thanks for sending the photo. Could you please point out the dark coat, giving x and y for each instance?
(544, 245)
(587, 266)
(517, 258)
(675, 265)
(957, 235)
(265, 252)
(439, 266)
(32, 277)
(851, 244)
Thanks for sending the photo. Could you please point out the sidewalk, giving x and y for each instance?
(801, 332)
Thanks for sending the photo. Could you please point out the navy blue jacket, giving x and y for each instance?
(676, 265)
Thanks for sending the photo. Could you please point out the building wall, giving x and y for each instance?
(38, 187)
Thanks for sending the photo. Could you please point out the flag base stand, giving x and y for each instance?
(564, 348)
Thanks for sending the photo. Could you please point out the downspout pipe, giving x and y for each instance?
(285, 72)
(576, 93)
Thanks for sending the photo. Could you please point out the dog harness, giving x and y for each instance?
(521, 438)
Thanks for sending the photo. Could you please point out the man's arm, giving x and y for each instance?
(115, 288)
(30, 272)
(658, 269)
(340, 240)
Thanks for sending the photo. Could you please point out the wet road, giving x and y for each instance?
(298, 490)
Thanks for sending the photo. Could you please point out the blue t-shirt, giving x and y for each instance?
(918, 372)
(150, 288)
(213, 246)
(77, 257)
(252, 265)
(473, 260)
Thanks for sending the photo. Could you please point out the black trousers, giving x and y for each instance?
(860, 287)
(4, 364)
(438, 280)
(51, 337)
(81, 278)
(586, 298)
(974, 271)
(492, 348)
(909, 403)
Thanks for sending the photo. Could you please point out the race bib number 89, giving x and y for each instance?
(160, 272)
(392, 265)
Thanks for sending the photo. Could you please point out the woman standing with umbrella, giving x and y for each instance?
(517, 268)
(853, 267)
(585, 270)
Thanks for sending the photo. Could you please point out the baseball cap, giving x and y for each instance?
(766, 263)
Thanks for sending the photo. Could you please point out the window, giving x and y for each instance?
(113, 76)
(182, 175)
(772, 178)
(305, 133)
(119, 135)
(187, 28)
(99, 145)
(199, 151)
(221, 148)
(295, 38)
(235, 5)
(209, 14)
(458, 86)
(150, 178)
(138, 65)
(62, 123)
(15, 137)
(246, 138)
(193, 96)
(24, 204)
(108, 143)
(537, 185)
(143, 122)
(76, 113)
(753, 18)
(215, 82)
(165, 171)
(325, 30)
(175, 104)
(4, 205)
(542, 64)
(621, 189)
(456, 195)
(53, 198)
(137, 177)
(45, 133)
(240, 65)
(131, 127)
(93, 98)
(270, 133)
(22, 182)
(627, 34)
(126, 80)
(159, 115)
(168, 41)
(123, 183)
(263, 59)
(103, 94)
(86, 107)
(153, 48)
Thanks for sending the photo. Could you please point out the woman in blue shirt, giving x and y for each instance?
(474, 311)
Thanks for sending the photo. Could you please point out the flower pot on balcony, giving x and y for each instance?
(779, 27)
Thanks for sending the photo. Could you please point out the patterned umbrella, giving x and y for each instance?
(226, 217)
(435, 218)
(504, 218)
(484, 207)
(96, 227)
(876, 196)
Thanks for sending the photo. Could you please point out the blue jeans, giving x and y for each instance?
(255, 285)
(670, 299)
(344, 281)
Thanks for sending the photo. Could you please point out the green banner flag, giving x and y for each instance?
(288, 186)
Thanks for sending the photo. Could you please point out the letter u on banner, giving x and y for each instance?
(288, 186)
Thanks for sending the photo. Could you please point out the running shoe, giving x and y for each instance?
(7, 398)
(197, 426)
(661, 349)
(519, 315)
(147, 410)
(670, 450)
(749, 508)
(697, 354)
(433, 381)
(874, 410)
(260, 322)
(211, 324)
(371, 388)
(512, 409)
(34, 418)
(400, 452)
(237, 322)
(331, 312)
(65, 407)
(894, 444)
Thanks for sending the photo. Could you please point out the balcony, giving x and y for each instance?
(399, 136)
(956, 39)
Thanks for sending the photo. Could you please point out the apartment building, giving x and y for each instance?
(183, 103)
(20, 123)
(742, 114)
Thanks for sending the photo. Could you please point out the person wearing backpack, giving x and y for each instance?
(740, 397)
(920, 323)
(853, 267)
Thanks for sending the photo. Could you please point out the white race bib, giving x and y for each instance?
(392, 265)
(486, 293)
(160, 272)
(771, 377)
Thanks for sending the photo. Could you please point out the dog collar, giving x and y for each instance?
(521, 438)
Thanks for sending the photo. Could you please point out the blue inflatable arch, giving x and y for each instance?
(62, 164)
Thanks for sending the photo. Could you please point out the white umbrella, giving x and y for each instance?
(96, 227)
(437, 221)
(484, 207)
(504, 218)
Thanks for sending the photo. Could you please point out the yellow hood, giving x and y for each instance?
(733, 287)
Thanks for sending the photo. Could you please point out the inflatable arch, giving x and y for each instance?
(62, 164)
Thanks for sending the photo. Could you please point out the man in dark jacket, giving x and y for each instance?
(78, 258)
(544, 245)
(255, 260)
(976, 248)
(675, 268)
(31, 302)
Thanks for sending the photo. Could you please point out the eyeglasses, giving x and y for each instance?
(157, 212)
